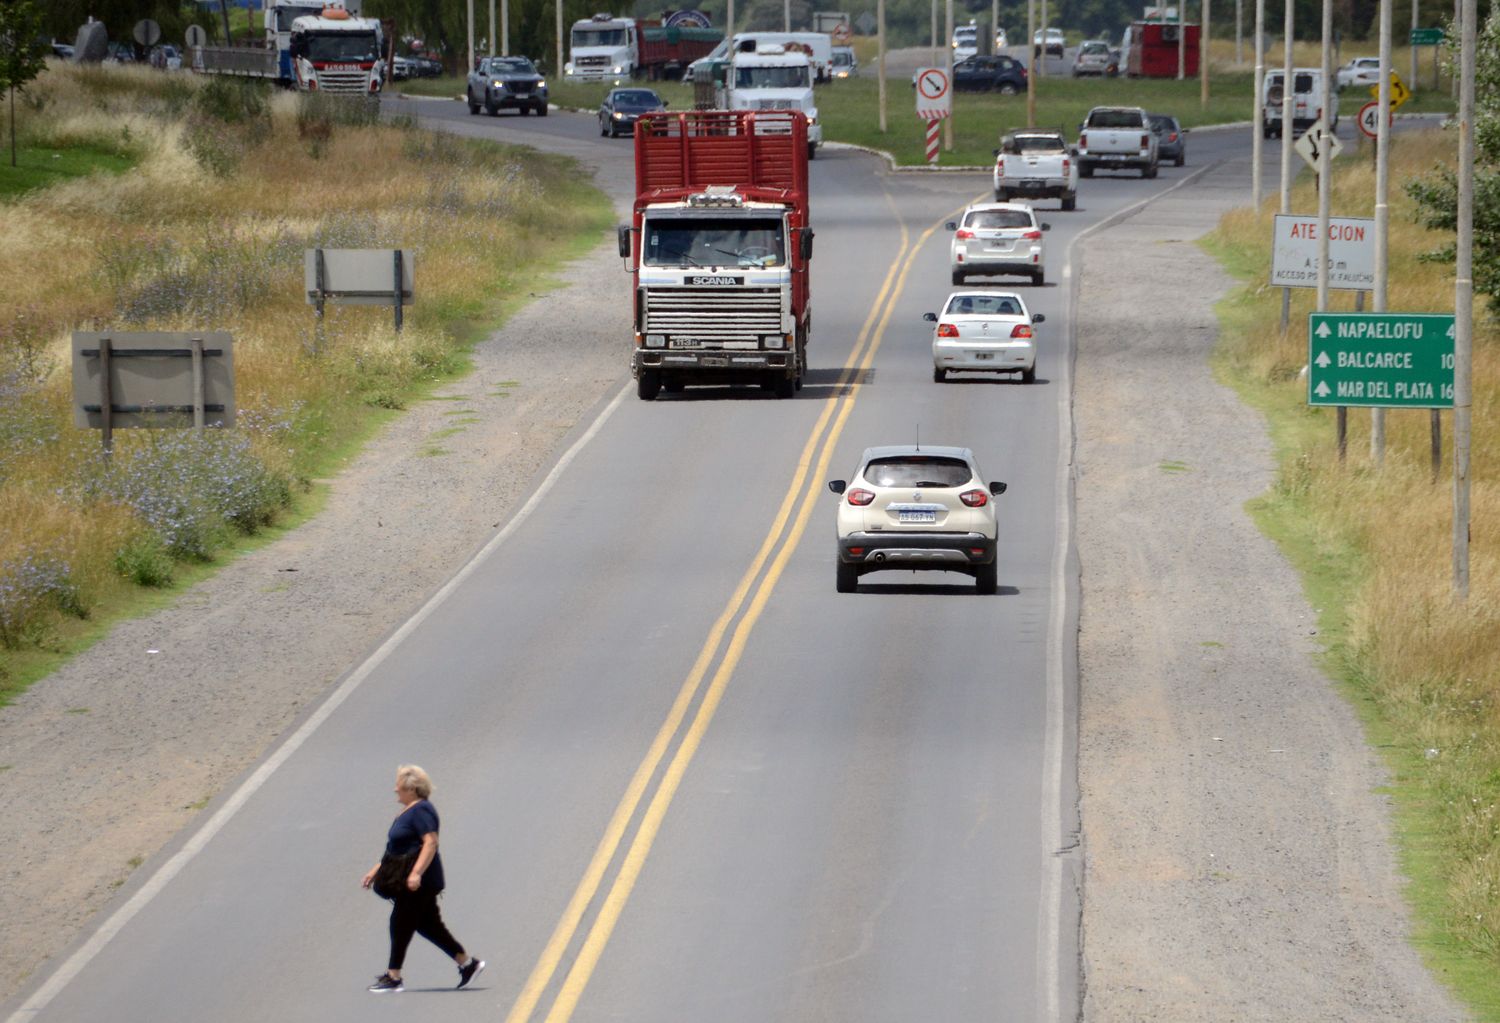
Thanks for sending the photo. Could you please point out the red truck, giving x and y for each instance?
(667, 50)
(721, 249)
(1152, 52)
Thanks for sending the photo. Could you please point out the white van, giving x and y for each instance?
(1307, 101)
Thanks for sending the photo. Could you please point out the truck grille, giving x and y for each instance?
(718, 315)
(343, 81)
(591, 62)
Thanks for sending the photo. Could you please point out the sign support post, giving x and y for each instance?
(106, 400)
(1463, 300)
(195, 345)
(1289, 22)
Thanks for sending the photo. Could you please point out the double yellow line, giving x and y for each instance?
(806, 485)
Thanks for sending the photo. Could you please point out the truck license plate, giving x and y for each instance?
(918, 516)
(715, 360)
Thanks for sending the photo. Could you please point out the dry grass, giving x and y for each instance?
(1380, 538)
(208, 232)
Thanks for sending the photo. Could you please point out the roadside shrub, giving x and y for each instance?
(31, 586)
(227, 120)
(145, 561)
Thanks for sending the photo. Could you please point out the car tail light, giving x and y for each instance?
(859, 498)
(964, 232)
(1065, 166)
(1021, 330)
(856, 552)
(1172, 137)
(974, 498)
(947, 330)
(1145, 141)
(1083, 141)
(1032, 235)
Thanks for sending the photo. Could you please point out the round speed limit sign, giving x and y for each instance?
(1369, 119)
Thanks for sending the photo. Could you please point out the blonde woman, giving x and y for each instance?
(414, 908)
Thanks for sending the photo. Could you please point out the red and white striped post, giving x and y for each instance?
(934, 104)
(933, 125)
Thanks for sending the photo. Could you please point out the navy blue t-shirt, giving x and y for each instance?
(405, 837)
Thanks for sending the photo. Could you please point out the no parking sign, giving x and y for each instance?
(934, 93)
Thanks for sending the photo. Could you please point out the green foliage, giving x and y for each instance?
(1437, 193)
(21, 57)
(146, 561)
(229, 117)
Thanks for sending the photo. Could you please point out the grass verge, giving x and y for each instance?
(1372, 545)
(231, 185)
(41, 167)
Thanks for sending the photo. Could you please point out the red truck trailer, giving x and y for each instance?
(721, 246)
(667, 50)
(1153, 50)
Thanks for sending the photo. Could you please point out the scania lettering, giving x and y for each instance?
(720, 247)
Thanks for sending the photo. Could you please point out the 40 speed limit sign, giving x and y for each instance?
(1369, 119)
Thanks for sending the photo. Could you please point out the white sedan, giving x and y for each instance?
(917, 507)
(998, 238)
(984, 332)
(1359, 71)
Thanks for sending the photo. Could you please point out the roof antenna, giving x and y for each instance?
(919, 436)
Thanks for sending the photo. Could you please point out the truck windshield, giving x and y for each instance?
(285, 15)
(339, 46)
(598, 37)
(715, 241)
(771, 77)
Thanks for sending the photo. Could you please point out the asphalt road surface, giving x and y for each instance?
(680, 777)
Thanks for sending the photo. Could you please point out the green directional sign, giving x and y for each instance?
(1380, 360)
(1426, 37)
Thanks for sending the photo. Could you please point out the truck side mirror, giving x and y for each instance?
(807, 243)
(837, 486)
(930, 317)
(623, 234)
(994, 152)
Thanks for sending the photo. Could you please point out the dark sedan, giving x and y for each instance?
(623, 107)
(1001, 74)
(500, 83)
(1170, 144)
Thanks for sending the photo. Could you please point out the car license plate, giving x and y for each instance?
(1031, 186)
(917, 516)
(984, 355)
(715, 360)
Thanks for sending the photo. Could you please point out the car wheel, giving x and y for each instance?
(648, 384)
(1070, 202)
(848, 578)
(603, 130)
(812, 150)
(939, 374)
(1085, 171)
(958, 278)
(492, 110)
(1008, 89)
(1028, 376)
(987, 579)
(473, 107)
(1038, 278)
(1181, 159)
(541, 111)
(1148, 172)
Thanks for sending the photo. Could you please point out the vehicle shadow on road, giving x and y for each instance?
(1010, 380)
(930, 589)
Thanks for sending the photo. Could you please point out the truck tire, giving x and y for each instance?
(1181, 159)
(1028, 376)
(648, 384)
(1001, 195)
(541, 111)
(812, 150)
(847, 578)
(1149, 172)
(1038, 278)
(783, 386)
(958, 279)
(1070, 201)
(939, 374)
(987, 579)
(473, 107)
(1085, 170)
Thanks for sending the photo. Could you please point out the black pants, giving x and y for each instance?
(417, 913)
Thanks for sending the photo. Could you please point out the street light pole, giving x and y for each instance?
(1286, 139)
(1031, 73)
(1181, 42)
(1463, 301)
(948, 121)
(1203, 55)
(558, 5)
(505, 28)
(880, 71)
(1257, 136)
(491, 36)
(1382, 207)
(470, 68)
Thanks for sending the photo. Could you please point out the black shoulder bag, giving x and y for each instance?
(391, 875)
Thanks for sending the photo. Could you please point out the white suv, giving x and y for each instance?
(998, 238)
(913, 507)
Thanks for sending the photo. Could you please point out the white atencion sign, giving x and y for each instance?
(934, 93)
(1351, 252)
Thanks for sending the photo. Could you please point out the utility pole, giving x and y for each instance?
(1415, 24)
(729, 21)
(1382, 207)
(1463, 301)
(948, 121)
(471, 38)
(505, 28)
(491, 37)
(1181, 41)
(1239, 33)
(880, 72)
(786, 15)
(1041, 61)
(1257, 135)
(1203, 56)
(934, 34)
(994, 24)
(1286, 140)
(558, 5)
(1325, 188)
(1031, 75)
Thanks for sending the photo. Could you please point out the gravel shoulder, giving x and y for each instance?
(1238, 855)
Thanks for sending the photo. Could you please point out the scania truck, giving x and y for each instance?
(323, 47)
(763, 76)
(720, 246)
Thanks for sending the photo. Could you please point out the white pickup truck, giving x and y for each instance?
(1036, 165)
(1114, 137)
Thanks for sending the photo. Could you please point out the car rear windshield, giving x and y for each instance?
(983, 305)
(998, 219)
(1160, 122)
(1115, 119)
(918, 471)
(1034, 144)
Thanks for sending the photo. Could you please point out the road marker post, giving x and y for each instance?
(932, 140)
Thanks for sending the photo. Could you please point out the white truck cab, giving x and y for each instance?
(761, 77)
(603, 49)
(337, 52)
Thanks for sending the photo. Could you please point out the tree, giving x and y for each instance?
(1437, 194)
(21, 57)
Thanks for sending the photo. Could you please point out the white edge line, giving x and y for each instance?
(194, 845)
(1049, 972)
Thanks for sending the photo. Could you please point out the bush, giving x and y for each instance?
(30, 586)
(145, 561)
(228, 119)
